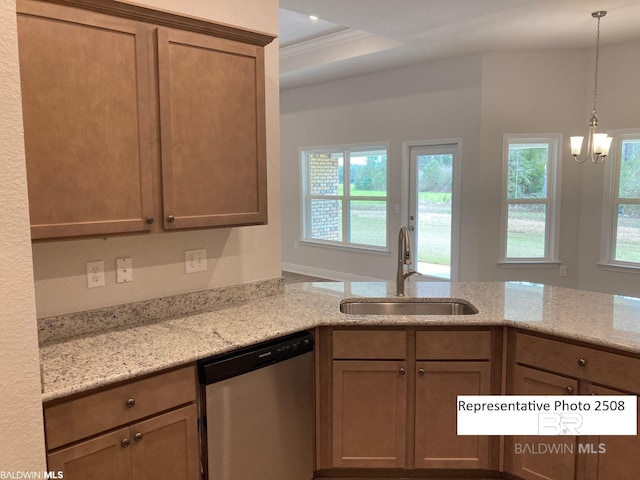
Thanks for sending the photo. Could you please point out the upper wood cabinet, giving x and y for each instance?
(213, 131)
(85, 96)
(128, 120)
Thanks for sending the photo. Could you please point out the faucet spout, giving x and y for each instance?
(404, 258)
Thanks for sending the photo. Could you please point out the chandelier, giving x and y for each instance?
(597, 143)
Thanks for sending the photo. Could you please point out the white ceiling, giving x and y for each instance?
(353, 37)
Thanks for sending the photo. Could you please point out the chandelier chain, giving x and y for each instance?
(595, 83)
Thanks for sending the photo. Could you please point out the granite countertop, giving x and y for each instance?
(101, 358)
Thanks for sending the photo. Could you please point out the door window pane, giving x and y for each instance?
(433, 235)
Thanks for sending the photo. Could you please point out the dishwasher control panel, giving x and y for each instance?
(247, 359)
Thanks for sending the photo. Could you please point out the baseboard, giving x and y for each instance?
(329, 274)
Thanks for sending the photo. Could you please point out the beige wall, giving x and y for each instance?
(234, 255)
(21, 434)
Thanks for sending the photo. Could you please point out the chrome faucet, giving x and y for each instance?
(404, 258)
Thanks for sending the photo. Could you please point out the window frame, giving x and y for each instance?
(551, 201)
(611, 200)
(346, 198)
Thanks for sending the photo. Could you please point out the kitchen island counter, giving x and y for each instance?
(80, 364)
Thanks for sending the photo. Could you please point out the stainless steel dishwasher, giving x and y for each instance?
(258, 416)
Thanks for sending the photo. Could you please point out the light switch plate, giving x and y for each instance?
(124, 270)
(195, 260)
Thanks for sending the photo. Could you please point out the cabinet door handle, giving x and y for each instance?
(569, 389)
(125, 442)
(130, 403)
(149, 220)
(421, 371)
(402, 371)
(138, 437)
(171, 219)
(582, 362)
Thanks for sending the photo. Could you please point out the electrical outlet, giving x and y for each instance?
(95, 274)
(195, 260)
(124, 270)
(562, 271)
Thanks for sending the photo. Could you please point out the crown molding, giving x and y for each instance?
(329, 40)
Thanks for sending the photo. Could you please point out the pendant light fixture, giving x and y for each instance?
(597, 143)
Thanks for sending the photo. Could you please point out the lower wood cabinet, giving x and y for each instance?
(369, 413)
(163, 444)
(392, 397)
(438, 384)
(387, 404)
(614, 457)
(545, 366)
(524, 453)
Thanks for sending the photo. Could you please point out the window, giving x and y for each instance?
(345, 196)
(530, 198)
(622, 217)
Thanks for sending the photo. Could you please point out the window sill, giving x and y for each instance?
(529, 264)
(616, 267)
(349, 247)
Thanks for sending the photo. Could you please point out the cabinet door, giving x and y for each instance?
(369, 413)
(166, 447)
(86, 110)
(437, 387)
(212, 123)
(621, 455)
(542, 457)
(106, 457)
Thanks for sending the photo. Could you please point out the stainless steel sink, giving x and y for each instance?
(406, 306)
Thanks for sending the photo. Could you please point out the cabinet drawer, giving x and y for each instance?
(81, 417)
(453, 345)
(579, 362)
(370, 344)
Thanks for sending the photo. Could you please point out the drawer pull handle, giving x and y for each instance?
(402, 371)
(171, 219)
(569, 389)
(125, 442)
(138, 437)
(421, 372)
(130, 403)
(582, 362)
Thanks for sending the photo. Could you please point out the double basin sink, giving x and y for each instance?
(406, 306)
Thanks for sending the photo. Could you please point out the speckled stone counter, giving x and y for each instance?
(101, 358)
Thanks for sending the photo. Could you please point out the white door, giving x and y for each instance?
(433, 209)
